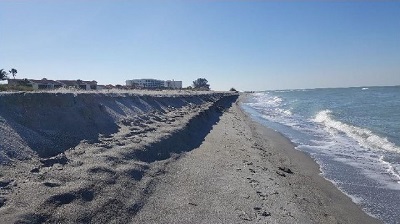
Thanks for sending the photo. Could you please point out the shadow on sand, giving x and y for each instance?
(188, 138)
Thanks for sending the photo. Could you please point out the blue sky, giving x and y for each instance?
(249, 45)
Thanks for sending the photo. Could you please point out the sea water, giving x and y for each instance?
(352, 133)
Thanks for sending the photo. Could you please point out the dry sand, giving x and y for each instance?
(159, 159)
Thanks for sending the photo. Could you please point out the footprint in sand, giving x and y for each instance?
(262, 195)
(259, 211)
(254, 183)
(51, 184)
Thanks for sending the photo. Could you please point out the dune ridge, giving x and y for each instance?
(50, 123)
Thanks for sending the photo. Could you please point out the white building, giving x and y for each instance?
(154, 83)
(173, 84)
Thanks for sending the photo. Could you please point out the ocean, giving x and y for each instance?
(352, 133)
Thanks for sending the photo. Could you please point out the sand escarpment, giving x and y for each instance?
(93, 157)
(47, 124)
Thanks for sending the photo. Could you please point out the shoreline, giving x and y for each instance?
(203, 161)
(244, 172)
(334, 200)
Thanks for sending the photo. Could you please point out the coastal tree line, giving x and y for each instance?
(198, 84)
(201, 83)
(4, 74)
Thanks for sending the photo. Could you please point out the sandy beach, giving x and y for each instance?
(177, 158)
(246, 173)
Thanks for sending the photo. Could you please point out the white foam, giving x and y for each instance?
(270, 105)
(390, 169)
(364, 137)
(285, 112)
(264, 98)
(328, 140)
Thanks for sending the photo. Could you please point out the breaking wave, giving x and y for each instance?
(363, 136)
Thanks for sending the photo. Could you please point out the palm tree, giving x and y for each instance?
(13, 71)
(3, 74)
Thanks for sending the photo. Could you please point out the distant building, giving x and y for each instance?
(100, 87)
(145, 83)
(79, 84)
(19, 82)
(154, 84)
(52, 84)
(173, 84)
(45, 84)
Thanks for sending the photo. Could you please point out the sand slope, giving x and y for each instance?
(50, 123)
